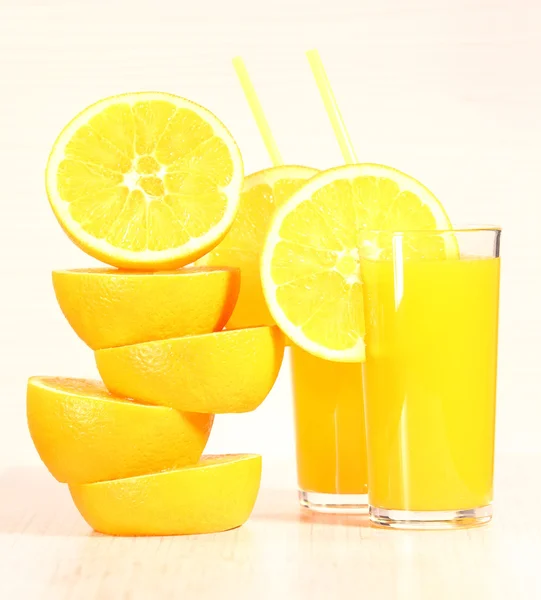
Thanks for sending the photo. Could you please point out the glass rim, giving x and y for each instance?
(461, 229)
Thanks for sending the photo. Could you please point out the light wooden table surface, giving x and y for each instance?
(47, 551)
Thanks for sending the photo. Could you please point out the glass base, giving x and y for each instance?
(429, 519)
(334, 503)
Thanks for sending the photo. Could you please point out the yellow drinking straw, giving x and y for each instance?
(331, 106)
(257, 111)
(329, 101)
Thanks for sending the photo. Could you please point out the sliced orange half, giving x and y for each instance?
(84, 434)
(109, 308)
(145, 180)
(262, 194)
(214, 495)
(224, 372)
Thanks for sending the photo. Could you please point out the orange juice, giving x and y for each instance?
(430, 382)
(330, 431)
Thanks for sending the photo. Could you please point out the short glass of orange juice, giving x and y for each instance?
(330, 434)
(431, 311)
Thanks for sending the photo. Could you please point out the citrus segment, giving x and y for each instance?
(215, 495)
(311, 259)
(145, 180)
(109, 308)
(225, 372)
(84, 434)
(263, 192)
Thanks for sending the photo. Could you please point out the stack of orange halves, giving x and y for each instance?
(149, 183)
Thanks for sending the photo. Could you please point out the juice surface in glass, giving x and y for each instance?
(430, 381)
(330, 429)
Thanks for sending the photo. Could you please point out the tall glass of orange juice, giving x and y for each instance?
(330, 433)
(431, 311)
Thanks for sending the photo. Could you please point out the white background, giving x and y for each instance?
(447, 90)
